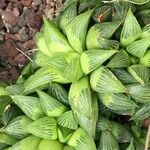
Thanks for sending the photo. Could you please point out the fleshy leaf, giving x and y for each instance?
(138, 2)
(85, 121)
(80, 99)
(30, 105)
(30, 143)
(145, 60)
(131, 30)
(103, 80)
(92, 59)
(81, 140)
(73, 71)
(139, 92)
(107, 141)
(3, 91)
(6, 140)
(43, 127)
(68, 148)
(67, 15)
(46, 144)
(26, 72)
(42, 77)
(67, 120)
(16, 127)
(131, 146)
(76, 31)
(121, 134)
(41, 44)
(51, 106)
(58, 92)
(10, 113)
(102, 13)
(140, 73)
(123, 76)
(142, 113)
(57, 61)
(146, 31)
(15, 89)
(64, 134)
(121, 8)
(99, 33)
(4, 101)
(138, 48)
(55, 40)
(119, 60)
(116, 101)
(103, 124)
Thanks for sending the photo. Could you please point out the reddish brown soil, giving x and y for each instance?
(19, 22)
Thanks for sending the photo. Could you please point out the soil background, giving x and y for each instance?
(19, 22)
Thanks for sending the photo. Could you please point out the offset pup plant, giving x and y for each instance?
(88, 87)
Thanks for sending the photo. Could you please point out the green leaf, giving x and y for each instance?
(10, 113)
(4, 101)
(76, 31)
(146, 31)
(46, 144)
(15, 89)
(67, 15)
(3, 91)
(92, 59)
(68, 148)
(107, 141)
(67, 120)
(57, 61)
(117, 102)
(55, 40)
(131, 146)
(80, 99)
(131, 30)
(99, 33)
(29, 143)
(42, 77)
(81, 140)
(140, 73)
(51, 106)
(103, 80)
(16, 127)
(40, 59)
(119, 60)
(138, 2)
(103, 124)
(64, 134)
(45, 128)
(26, 72)
(102, 13)
(139, 92)
(123, 76)
(6, 140)
(142, 113)
(30, 105)
(121, 8)
(42, 45)
(66, 4)
(58, 92)
(85, 121)
(145, 60)
(121, 134)
(73, 71)
(138, 48)
(136, 131)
